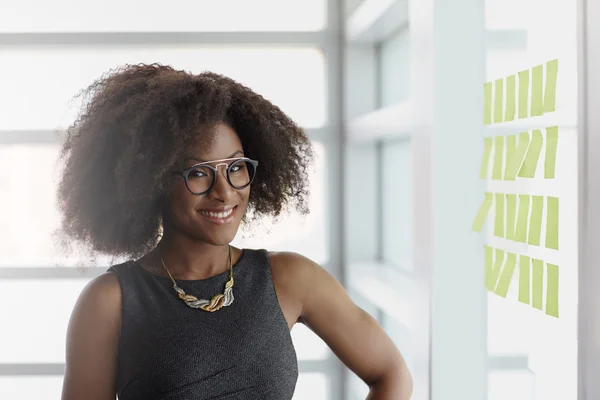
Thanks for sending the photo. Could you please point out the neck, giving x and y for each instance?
(190, 259)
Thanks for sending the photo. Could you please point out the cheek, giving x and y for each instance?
(181, 201)
(245, 195)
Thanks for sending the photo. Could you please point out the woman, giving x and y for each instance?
(161, 168)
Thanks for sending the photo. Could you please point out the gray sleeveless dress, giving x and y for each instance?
(168, 351)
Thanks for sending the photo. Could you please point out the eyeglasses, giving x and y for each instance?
(201, 178)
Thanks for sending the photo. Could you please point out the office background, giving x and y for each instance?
(391, 93)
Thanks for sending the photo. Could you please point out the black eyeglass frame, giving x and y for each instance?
(186, 173)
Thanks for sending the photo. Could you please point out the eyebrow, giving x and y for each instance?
(203, 161)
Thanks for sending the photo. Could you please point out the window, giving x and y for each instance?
(28, 207)
(394, 64)
(27, 204)
(313, 386)
(309, 346)
(306, 235)
(396, 192)
(179, 16)
(379, 188)
(361, 211)
(39, 83)
(30, 387)
(39, 311)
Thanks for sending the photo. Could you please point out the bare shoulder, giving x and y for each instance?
(291, 264)
(297, 278)
(92, 341)
(289, 267)
(104, 290)
(99, 300)
(106, 282)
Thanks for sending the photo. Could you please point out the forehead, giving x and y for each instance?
(224, 144)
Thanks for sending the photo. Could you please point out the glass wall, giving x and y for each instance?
(532, 324)
(416, 140)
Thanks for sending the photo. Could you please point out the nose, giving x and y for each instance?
(222, 190)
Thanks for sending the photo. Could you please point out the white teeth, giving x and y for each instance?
(221, 215)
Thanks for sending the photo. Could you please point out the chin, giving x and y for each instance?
(219, 242)
(219, 237)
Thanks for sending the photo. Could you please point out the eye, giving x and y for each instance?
(197, 173)
(237, 167)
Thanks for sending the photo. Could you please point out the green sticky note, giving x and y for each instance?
(516, 159)
(488, 257)
(498, 100)
(535, 221)
(522, 218)
(533, 155)
(551, 147)
(523, 94)
(498, 157)
(552, 223)
(511, 215)
(537, 100)
(509, 148)
(487, 103)
(552, 290)
(550, 88)
(483, 212)
(499, 222)
(491, 275)
(538, 283)
(506, 275)
(509, 113)
(485, 160)
(524, 280)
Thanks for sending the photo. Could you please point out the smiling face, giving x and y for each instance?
(213, 217)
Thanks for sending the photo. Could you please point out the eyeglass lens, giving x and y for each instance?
(201, 178)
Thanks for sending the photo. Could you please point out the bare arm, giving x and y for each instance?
(353, 335)
(92, 342)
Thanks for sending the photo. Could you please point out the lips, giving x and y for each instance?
(219, 216)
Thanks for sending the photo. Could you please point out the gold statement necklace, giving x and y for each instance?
(216, 303)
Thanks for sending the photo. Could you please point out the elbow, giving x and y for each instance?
(396, 383)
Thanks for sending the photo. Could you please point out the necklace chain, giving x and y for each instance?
(216, 303)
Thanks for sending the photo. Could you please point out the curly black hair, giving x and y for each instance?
(132, 132)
